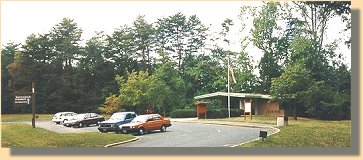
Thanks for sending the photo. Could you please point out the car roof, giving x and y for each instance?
(123, 112)
(86, 113)
(150, 115)
(63, 112)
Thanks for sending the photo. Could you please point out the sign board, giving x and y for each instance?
(22, 99)
(247, 107)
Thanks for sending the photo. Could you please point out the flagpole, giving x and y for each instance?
(229, 98)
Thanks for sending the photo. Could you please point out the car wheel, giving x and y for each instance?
(141, 131)
(80, 125)
(57, 122)
(163, 128)
(64, 121)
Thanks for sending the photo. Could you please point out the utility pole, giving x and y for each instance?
(229, 97)
(33, 104)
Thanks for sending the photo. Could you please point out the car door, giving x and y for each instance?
(158, 122)
(86, 119)
(94, 118)
(149, 124)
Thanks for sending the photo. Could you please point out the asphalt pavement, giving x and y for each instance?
(184, 132)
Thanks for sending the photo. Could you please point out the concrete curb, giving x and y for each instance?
(123, 142)
(276, 131)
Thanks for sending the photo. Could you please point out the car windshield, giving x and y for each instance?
(117, 117)
(139, 119)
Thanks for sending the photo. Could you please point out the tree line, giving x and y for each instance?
(164, 64)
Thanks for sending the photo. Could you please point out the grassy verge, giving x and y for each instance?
(25, 117)
(23, 135)
(28, 117)
(304, 132)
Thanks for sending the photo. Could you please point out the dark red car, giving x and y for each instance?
(146, 123)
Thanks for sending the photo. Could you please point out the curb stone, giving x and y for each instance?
(123, 142)
(275, 129)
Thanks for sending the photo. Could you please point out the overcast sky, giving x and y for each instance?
(20, 19)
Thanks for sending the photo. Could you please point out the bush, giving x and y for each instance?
(184, 113)
(223, 113)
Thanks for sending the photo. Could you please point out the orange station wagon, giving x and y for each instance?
(146, 123)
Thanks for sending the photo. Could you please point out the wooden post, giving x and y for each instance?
(33, 104)
(251, 109)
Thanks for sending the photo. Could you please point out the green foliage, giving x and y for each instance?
(183, 113)
(177, 64)
(112, 104)
(223, 113)
(289, 89)
(133, 91)
(167, 91)
(178, 37)
(265, 38)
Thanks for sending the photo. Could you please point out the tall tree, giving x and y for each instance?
(289, 88)
(265, 37)
(167, 89)
(121, 50)
(178, 37)
(144, 38)
(7, 57)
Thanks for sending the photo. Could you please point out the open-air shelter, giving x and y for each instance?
(260, 102)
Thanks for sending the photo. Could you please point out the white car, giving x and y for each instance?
(62, 117)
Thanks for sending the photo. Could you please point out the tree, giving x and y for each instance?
(112, 104)
(133, 91)
(121, 50)
(265, 37)
(66, 37)
(144, 38)
(167, 89)
(178, 37)
(7, 58)
(22, 74)
(290, 88)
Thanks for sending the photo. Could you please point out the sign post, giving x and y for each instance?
(25, 99)
(33, 104)
(248, 108)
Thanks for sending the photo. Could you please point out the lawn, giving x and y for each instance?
(25, 117)
(28, 117)
(305, 132)
(23, 135)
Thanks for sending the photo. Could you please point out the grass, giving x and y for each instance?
(25, 117)
(304, 132)
(309, 133)
(23, 135)
(28, 117)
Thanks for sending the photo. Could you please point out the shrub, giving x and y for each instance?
(223, 113)
(184, 113)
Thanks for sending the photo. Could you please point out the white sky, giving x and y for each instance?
(19, 19)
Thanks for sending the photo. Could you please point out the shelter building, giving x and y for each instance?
(260, 102)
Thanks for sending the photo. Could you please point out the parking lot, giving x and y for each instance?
(180, 134)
